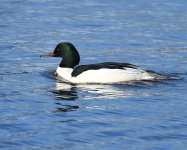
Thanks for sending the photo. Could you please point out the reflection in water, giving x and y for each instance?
(66, 108)
(70, 92)
(66, 91)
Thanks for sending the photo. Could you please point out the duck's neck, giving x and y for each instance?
(67, 64)
(70, 60)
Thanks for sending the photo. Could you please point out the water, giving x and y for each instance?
(40, 112)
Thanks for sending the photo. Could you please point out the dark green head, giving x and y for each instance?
(68, 53)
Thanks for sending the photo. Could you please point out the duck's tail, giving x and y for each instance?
(159, 76)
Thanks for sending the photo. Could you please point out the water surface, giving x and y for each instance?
(40, 112)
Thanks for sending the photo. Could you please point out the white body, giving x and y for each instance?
(104, 75)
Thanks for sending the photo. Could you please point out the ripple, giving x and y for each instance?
(161, 137)
(13, 73)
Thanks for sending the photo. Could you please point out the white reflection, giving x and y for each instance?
(93, 91)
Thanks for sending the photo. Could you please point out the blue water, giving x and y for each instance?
(38, 112)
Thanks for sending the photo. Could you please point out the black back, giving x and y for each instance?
(106, 65)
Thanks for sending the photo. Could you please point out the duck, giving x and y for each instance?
(101, 73)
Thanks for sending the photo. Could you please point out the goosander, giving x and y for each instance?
(106, 72)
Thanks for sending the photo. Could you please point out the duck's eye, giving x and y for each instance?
(57, 50)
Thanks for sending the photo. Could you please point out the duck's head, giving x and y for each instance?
(68, 53)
